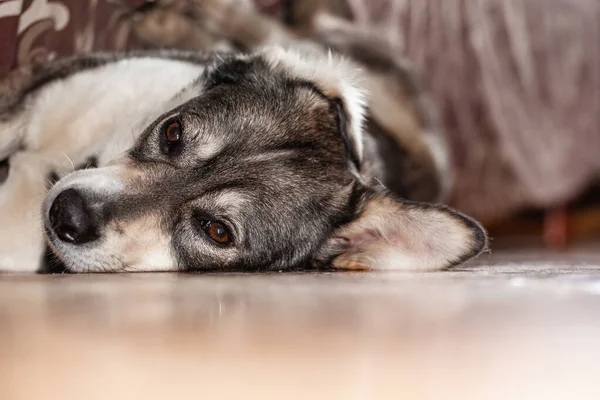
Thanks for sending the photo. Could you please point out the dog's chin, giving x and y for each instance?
(78, 259)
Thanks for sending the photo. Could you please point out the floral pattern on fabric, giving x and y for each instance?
(39, 30)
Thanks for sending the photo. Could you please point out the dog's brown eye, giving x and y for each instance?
(217, 232)
(173, 132)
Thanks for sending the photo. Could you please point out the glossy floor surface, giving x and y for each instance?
(524, 325)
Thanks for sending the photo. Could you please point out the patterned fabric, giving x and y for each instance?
(37, 30)
(517, 83)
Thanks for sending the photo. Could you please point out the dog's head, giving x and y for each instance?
(259, 168)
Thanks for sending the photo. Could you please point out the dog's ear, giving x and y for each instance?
(337, 78)
(394, 234)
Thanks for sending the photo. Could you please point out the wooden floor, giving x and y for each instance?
(513, 326)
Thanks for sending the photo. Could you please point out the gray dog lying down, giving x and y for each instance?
(207, 162)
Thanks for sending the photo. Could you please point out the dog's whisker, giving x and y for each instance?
(70, 160)
(122, 266)
(380, 183)
(49, 183)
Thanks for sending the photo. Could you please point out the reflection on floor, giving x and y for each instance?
(513, 325)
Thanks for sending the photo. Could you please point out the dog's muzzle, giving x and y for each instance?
(71, 219)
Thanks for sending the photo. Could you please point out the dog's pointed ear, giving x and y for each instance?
(394, 234)
(337, 78)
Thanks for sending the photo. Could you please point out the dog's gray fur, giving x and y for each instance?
(267, 148)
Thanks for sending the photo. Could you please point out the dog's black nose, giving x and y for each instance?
(71, 219)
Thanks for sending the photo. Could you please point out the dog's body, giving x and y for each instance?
(213, 162)
(60, 115)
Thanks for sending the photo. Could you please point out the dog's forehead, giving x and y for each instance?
(287, 178)
(261, 126)
(274, 108)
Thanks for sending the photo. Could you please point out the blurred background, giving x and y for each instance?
(516, 83)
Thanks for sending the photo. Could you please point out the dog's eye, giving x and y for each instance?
(173, 132)
(217, 231)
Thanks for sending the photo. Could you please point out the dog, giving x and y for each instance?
(215, 162)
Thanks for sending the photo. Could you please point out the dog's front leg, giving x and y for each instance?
(21, 197)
